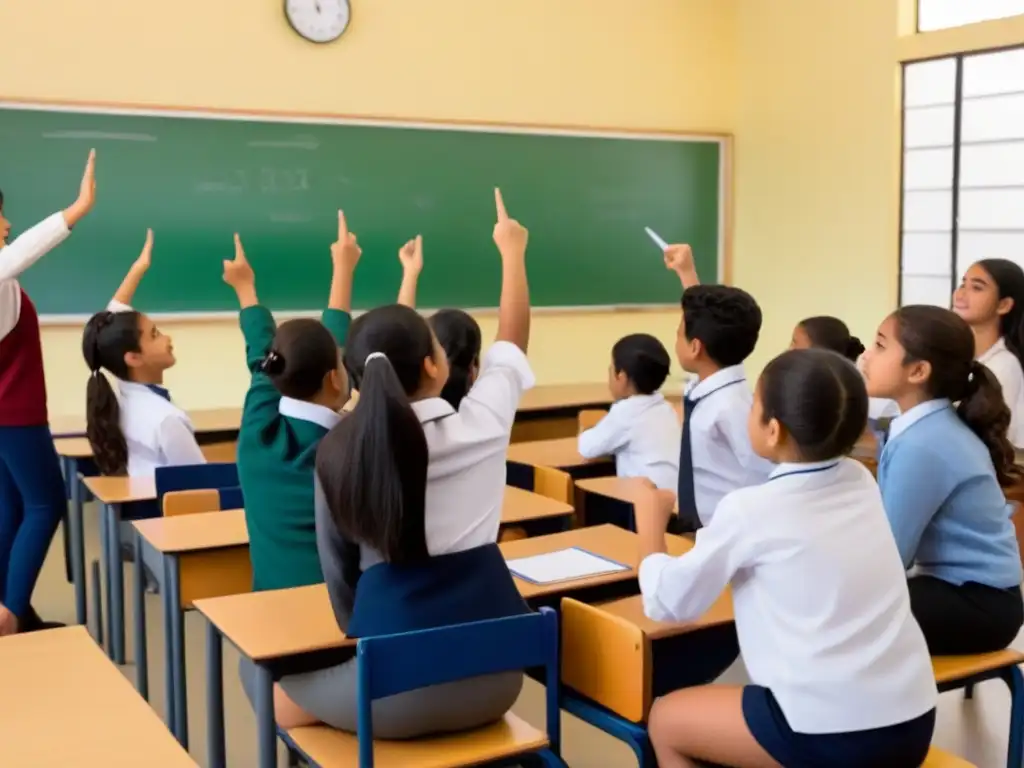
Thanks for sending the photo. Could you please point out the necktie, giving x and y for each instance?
(689, 521)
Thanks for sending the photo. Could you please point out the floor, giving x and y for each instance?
(976, 730)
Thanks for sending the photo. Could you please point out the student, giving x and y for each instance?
(641, 429)
(32, 500)
(940, 475)
(298, 386)
(991, 300)
(840, 673)
(140, 428)
(456, 331)
(409, 503)
(718, 331)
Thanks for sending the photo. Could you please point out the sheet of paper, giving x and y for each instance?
(562, 565)
(656, 238)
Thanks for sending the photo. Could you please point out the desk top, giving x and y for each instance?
(560, 453)
(555, 396)
(121, 490)
(73, 707)
(203, 420)
(632, 610)
(618, 488)
(521, 506)
(79, 448)
(197, 532)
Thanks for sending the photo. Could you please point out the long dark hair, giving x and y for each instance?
(831, 333)
(1009, 280)
(108, 337)
(819, 398)
(944, 340)
(302, 354)
(373, 465)
(459, 335)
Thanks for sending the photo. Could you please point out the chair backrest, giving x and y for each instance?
(553, 483)
(194, 477)
(391, 664)
(589, 419)
(205, 500)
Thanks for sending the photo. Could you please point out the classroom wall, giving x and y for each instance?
(654, 64)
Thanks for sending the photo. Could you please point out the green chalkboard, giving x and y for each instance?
(196, 180)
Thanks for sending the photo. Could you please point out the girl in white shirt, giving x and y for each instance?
(991, 299)
(840, 673)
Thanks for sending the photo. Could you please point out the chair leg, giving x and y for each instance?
(969, 691)
(293, 758)
(550, 759)
(97, 602)
(1015, 749)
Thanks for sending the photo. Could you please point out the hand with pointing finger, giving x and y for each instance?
(86, 193)
(145, 259)
(239, 275)
(411, 256)
(509, 235)
(345, 251)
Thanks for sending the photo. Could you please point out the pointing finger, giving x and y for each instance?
(342, 226)
(499, 203)
(239, 251)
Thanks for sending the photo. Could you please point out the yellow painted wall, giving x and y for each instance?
(656, 64)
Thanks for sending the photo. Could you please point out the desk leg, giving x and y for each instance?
(168, 610)
(266, 730)
(76, 533)
(214, 698)
(139, 605)
(105, 545)
(115, 582)
(177, 632)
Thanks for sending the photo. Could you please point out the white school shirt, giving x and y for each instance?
(158, 433)
(1006, 367)
(723, 459)
(819, 594)
(467, 448)
(21, 254)
(643, 434)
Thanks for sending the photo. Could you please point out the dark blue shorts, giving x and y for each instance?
(904, 745)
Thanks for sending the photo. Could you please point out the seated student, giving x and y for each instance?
(456, 331)
(840, 673)
(717, 332)
(298, 386)
(641, 429)
(409, 503)
(940, 475)
(991, 300)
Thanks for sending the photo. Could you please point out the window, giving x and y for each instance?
(963, 169)
(943, 14)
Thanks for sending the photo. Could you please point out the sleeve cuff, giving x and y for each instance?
(505, 354)
(118, 306)
(649, 576)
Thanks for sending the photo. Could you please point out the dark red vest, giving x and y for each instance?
(22, 382)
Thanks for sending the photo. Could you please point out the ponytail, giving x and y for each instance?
(373, 465)
(108, 337)
(984, 410)
(459, 336)
(831, 333)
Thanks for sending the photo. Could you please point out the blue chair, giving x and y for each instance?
(392, 664)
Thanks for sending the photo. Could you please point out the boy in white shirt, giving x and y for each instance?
(641, 429)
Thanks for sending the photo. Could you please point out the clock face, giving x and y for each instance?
(319, 21)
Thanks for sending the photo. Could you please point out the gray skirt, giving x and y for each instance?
(330, 696)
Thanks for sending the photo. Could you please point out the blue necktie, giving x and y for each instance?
(689, 520)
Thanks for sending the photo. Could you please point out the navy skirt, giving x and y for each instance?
(904, 745)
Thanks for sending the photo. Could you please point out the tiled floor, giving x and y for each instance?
(974, 729)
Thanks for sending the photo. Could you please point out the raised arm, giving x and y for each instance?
(126, 291)
(411, 257)
(258, 325)
(679, 259)
(514, 310)
(345, 253)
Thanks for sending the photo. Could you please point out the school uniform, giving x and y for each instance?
(32, 499)
(1006, 367)
(951, 522)
(465, 578)
(276, 459)
(715, 455)
(643, 434)
(840, 673)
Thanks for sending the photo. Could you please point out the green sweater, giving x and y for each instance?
(276, 459)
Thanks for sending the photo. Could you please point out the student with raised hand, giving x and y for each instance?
(641, 428)
(32, 499)
(991, 300)
(409, 498)
(297, 389)
(718, 330)
(457, 331)
(940, 475)
(840, 673)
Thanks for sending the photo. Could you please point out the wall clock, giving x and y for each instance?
(319, 21)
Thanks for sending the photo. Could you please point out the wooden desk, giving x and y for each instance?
(610, 500)
(560, 453)
(69, 706)
(523, 506)
(550, 411)
(210, 421)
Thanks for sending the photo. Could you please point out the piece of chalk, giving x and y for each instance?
(657, 240)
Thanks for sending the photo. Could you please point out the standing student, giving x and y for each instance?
(940, 475)
(409, 505)
(991, 300)
(717, 332)
(840, 673)
(32, 499)
(456, 331)
(641, 428)
(298, 387)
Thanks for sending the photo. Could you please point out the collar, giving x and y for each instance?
(995, 349)
(905, 421)
(805, 468)
(432, 409)
(158, 390)
(317, 414)
(641, 402)
(133, 387)
(717, 380)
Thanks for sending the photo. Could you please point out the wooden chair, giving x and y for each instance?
(545, 481)
(204, 500)
(553, 483)
(939, 759)
(392, 664)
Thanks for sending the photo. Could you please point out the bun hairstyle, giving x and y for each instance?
(943, 339)
(831, 333)
(107, 338)
(644, 360)
(459, 336)
(373, 465)
(302, 354)
(1009, 280)
(819, 398)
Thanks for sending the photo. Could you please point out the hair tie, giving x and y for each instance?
(272, 363)
(95, 373)
(374, 356)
